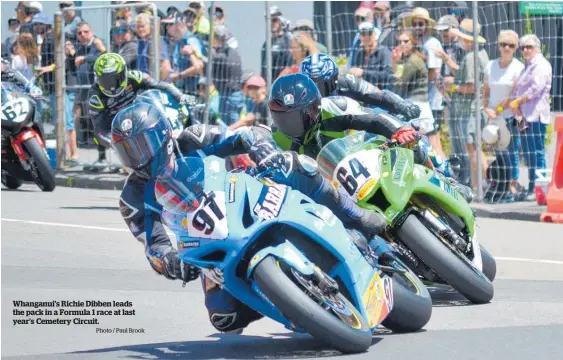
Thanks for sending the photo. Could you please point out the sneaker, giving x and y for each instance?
(72, 162)
(97, 166)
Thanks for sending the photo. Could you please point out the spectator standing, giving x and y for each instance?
(306, 26)
(71, 20)
(187, 63)
(362, 15)
(24, 12)
(124, 44)
(202, 26)
(422, 25)
(220, 18)
(26, 55)
(301, 46)
(144, 60)
(82, 63)
(14, 30)
(463, 122)
(531, 106)
(453, 52)
(372, 62)
(227, 74)
(458, 9)
(256, 110)
(281, 57)
(382, 21)
(412, 83)
(498, 83)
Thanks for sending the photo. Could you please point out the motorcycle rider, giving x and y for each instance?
(324, 72)
(305, 122)
(116, 87)
(142, 139)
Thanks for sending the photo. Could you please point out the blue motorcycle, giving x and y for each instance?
(285, 256)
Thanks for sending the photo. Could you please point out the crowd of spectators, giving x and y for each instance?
(427, 61)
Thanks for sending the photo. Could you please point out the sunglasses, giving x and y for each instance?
(361, 18)
(119, 32)
(419, 24)
(378, 9)
(366, 32)
(503, 44)
(82, 32)
(527, 47)
(64, 6)
(454, 12)
(404, 41)
(218, 14)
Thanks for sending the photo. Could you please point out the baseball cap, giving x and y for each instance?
(120, 25)
(446, 22)
(41, 18)
(221, 32)
(303, 24)
(367, 26)
(173, 17)
(255, 80)
(36, 5)
(66, 3)
(13, 20)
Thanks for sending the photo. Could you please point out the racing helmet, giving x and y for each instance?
(111, 74)
(295, 105)
(142, 138)
(322, 70)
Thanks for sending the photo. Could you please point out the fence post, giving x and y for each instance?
(477, 100)
(328, 22)
(268, 46)
(155, 44)
(209, 68)
(59, 92)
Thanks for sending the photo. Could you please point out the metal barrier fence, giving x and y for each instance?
(462, 117)
(78, 49)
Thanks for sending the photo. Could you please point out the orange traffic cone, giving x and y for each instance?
(555, 190)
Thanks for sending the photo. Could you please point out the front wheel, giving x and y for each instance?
(458, 273)
(345, 330)
(412, 304)
(42, 172)
(489, 264)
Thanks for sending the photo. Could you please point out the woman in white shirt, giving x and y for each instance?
(500, 77)
(26, 55)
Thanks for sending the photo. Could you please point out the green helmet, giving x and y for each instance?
(111, 74)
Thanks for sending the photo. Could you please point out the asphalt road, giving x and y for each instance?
(73, 245)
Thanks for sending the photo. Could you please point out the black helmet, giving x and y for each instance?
(295, 105)
(142, 138)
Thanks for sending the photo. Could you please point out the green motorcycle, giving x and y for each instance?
(431, 226)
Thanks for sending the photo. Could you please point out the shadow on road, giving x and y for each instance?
(112, 208)
(295, 346)
(17, 190)
(446, 296)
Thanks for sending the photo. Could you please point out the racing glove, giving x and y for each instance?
(400, 106)
(174, 268)
(405, 135)
(266, 156)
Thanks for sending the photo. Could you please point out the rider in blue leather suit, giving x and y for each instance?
(142, 138)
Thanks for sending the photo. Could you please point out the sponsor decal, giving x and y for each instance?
(366, 189)
(231, 193)
(188, 244)
(126, 125)
(288, 99)
(270, 201)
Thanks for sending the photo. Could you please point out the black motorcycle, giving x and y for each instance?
(24, 156)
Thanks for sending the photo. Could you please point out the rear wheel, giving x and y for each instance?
(412, 304)
(43, 174)
(334, 321)
(452, 268)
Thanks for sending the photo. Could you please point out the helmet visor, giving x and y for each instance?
(137, 151)
(294, 123)
(112, 84)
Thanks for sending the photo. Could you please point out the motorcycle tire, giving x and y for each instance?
(489, 264)
(412, 303)
(463, 277)
(307, 314)
(45, 175)
(11, 182)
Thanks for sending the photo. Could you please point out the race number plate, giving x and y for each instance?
(358, 173)
(209, 221)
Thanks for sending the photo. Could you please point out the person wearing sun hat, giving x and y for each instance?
(463, 123)
(420, 22)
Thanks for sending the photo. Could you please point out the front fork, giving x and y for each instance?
(17, 141)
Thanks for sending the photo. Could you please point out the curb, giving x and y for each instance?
(508, 214)
(88, 182)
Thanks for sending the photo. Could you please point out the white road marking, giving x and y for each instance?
(70, 225)
(500, 258)
(556, 262)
